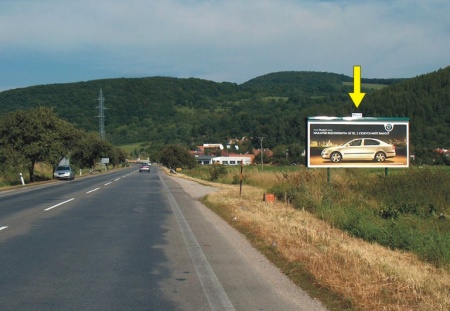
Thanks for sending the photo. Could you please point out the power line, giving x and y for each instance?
(262, 161)
(101, 114)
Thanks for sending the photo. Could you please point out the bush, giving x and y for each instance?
(216, 171)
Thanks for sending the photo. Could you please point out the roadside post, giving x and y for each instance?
(240, 180)
(21, 179)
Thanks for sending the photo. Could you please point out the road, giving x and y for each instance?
(130, 241)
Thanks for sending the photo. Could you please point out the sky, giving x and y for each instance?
(63, 41)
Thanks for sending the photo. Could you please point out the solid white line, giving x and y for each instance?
(108, 183)
(213, 289)
(51, 207)
(93, 190)
(3, 228)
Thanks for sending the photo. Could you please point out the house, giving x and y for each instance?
(207, 149)
(210, 154)
(234, 160)
(267, 152)
(204, 159)
(443, 151)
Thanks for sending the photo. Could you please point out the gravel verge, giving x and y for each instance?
(280, 282)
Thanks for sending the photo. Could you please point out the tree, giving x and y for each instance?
(35, 135)
(90, 147)
(176, 156)
(296, 154)
(11, 161)
(117, 157)
(280, 155)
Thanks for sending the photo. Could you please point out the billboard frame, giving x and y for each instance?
(332, 132)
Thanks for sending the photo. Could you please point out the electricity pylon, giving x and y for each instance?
(101, 115)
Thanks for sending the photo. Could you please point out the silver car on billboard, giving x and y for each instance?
(360, 149)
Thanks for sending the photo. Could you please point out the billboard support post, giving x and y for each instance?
(386, 172)
(328, 175)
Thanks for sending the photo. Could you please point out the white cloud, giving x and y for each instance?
(231, 40)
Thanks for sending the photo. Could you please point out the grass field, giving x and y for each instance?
(372, 86)
(372, 242)
(131, 147)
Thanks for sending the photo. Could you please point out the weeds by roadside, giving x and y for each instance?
(406, 211)
(319, 228)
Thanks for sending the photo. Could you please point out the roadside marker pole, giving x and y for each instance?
(240, 181)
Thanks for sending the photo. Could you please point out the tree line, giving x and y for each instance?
(161, 110)
(28, 137)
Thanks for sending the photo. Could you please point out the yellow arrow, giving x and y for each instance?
(357, 96)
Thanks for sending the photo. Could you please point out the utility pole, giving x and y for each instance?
(101, 115)
(262, 161)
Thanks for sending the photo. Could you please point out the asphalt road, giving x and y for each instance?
(130, 241)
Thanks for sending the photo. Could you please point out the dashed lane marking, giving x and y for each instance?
(52, 207)
(93, 190)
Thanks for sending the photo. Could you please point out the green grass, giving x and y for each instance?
(372, 86)
(408, 209)
(131, 147)
(276, 98)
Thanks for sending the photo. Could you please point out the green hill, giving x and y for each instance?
(425, 100)
(163, 110)
(310, 83)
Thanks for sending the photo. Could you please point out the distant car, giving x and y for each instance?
(64, 172)
(360, 149)
(144, 167)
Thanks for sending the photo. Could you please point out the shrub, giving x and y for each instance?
(216, 171)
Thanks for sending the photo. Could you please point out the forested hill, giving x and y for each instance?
(311, 83)
(424, 99)
(192, 111)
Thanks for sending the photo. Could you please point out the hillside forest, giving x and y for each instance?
(157, 111)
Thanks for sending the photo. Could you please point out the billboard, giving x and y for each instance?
(357, 142)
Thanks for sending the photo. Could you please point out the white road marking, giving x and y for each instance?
(108, 183)
(93, 190)
(52, 207)
(3, 228)
(117, 179)
(213, 289)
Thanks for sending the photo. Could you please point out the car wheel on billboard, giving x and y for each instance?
(380, 157)
(335, 157)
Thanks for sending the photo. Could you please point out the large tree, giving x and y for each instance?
(175, 156)
(33, 136)
(90, 147)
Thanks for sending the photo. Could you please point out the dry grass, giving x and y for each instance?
(371, 277)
